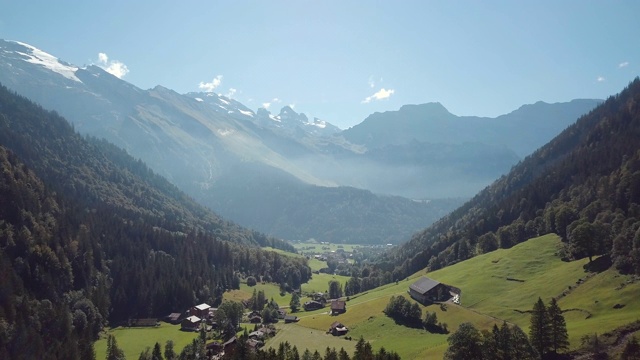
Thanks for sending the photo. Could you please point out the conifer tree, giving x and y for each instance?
(557, 328)
(521, 348)
(294, 305)
(464, 344)
(113, 351)
(539, 332)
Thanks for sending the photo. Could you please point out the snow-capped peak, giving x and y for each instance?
(39, 57)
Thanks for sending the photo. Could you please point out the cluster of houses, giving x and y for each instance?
(319, 301)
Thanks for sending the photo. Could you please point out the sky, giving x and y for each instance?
(341, 61)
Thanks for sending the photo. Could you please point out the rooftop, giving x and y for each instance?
(423, 285)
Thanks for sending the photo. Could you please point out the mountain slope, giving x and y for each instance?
(523, 130)
(127, 240)
(583, 185)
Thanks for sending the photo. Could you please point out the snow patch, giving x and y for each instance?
(248, 113)
(224, 132)
(319, 124)
(276, 119)
(49, 61)
(199, 99)
(224, 101)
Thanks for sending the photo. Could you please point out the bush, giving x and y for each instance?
(251, 281)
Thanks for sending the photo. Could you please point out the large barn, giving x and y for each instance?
(427, 291)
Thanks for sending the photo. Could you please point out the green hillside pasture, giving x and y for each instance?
(316, 264)
(271, 291)
(281, 252)
(365, 317)
(307, 338)
(541, 273)
(320, 282)
(133, 341)
(598, 295)
(313, 247)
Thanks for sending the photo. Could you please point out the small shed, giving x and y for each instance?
(338, 307)
(290, 319)
(338, 329)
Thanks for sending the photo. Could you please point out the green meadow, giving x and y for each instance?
(496, 287)
(133, 341)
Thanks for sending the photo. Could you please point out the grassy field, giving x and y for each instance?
(271, 291)
(306, 338)
(134, 340)
(495, 287)
(313, 247)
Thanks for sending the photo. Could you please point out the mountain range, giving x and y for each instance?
(379, 181)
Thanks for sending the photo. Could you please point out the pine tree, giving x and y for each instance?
(539, 332)
(521, 348)
(169, 352)
(557, 328)
(464, 344)
(294, 305)
(113, 351)
(157, 352)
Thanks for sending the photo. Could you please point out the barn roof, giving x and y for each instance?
(423, 285)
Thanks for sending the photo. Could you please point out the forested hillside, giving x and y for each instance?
(89, 235)
(583, 185)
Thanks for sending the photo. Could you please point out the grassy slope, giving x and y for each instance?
(488, 298)
(134, 340)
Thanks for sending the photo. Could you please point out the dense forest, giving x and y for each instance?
(88, 235)
(583, 185)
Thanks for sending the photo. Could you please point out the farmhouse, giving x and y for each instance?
(192, 323)
(338, 307)
(173, 318)
(290, 318)
(312, 305)
(427, 291)
(338, 329)
(201, 311)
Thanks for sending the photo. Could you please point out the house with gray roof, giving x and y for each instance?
(427, 291)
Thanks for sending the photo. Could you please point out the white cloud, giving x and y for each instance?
(113, 67)
(266, 105)
(210, 86)
(371, 83)
(232, 91)
(293, 106)
(380, 95)
(276, 100)
(623, 64)
(600, 79)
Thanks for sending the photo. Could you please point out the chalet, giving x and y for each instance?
(338, 307)
(143, 322)
(258, 335)
(255, 319)
(192, 323)
(173, 318)
(312, 305)
(201, 311)
(253, 345)
(290, 318)
(427, 291)
(230, 346)
(281, 314)
(338, 329)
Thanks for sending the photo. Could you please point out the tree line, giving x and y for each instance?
(584, 185)
(90, 236)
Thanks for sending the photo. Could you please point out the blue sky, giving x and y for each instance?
(343, 60)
